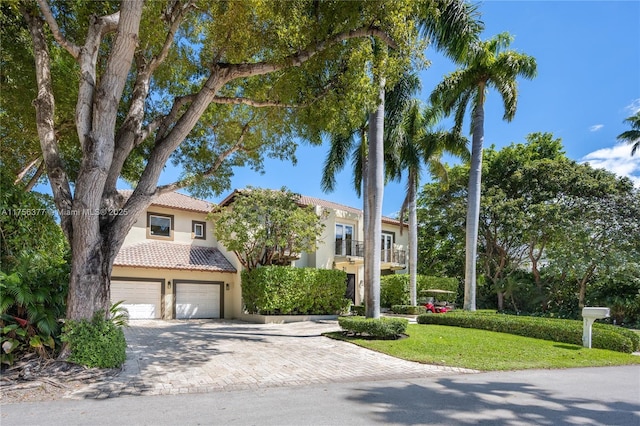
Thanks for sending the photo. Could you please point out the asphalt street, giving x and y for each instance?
(584, 396)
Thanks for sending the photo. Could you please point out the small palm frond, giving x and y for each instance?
(632, 137)
(335, 160)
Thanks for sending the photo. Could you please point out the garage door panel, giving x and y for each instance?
(197, 300)
(142, 299)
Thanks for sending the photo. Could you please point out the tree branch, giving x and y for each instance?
(211, 170)
(55, 30)
(258, 104)
(45, 119)
(298, 58)
(26, 169)
(175, 19)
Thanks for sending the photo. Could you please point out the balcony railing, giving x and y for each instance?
(349, 248)
(356, 249)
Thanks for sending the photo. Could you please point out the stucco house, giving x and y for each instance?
(171, 266)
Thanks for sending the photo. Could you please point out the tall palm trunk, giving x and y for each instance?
(413, 238)
(373, 195)
(473, 204)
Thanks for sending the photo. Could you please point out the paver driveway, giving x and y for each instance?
(170, 357)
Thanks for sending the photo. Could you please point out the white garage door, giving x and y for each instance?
(197, 300)
(142, 299)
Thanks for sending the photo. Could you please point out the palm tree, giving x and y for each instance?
(356, 144)
(632, 137)
(450, 25)
(414, 143)
(487, 64)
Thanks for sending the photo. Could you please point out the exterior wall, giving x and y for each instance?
(182, 228)
(170, 275)
(324, 256)
(233, 305)
(401, 242)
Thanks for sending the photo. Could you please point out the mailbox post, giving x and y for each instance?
(589, 315)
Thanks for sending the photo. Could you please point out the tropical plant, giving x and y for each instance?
(632, 137)
(266, 227)
(451, 26)
(487, 64)
(414, 143)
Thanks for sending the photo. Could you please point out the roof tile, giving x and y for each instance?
(166, 255)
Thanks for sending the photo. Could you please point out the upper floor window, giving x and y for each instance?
(344, 240)
(387, 246)
(159, 225)
(199, 230)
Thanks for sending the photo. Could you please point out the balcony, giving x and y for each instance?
(349, 248)
(391, 258)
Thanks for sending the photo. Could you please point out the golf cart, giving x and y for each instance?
(432, 304)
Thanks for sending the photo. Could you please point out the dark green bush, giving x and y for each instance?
(384, 328)
(358, 310)
(394, 289)
(96, 343)
(557, 330)
(285, 290)
(408, 309)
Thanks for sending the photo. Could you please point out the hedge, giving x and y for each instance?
(285, 290)
(384, 328)
(408, 309)
(603, 336)
(394, 289)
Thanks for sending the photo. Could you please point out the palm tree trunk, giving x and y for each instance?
(473, 204)
(373, 196)
(413, 239)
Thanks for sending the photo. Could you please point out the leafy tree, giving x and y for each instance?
(564, 224)
(632, 137)
(266, 227)
(604, 229)
(486, 65)
(211, 91)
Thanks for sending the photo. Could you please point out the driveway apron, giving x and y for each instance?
(197, 356)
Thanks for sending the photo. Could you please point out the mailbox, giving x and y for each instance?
(589, 315)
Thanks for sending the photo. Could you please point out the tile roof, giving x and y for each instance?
(167, 255)
(312, 201)
(176, 200)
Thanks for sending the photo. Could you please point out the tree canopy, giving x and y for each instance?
(266, 227)
(542, 215)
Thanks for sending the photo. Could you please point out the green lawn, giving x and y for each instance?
(488, 350)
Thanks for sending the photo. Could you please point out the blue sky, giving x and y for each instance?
(588, 56)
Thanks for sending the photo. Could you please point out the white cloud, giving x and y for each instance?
(616, 159)
(596, 127)
(634, 106)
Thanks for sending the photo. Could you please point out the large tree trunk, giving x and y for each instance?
(373, 196)
(473, 203)
(413, 239)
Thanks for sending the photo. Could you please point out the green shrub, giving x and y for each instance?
(408, 309)
(96, 343)
(285, 290)
(384, 328)
(32, 300)
(358, 310)
(558, 330)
